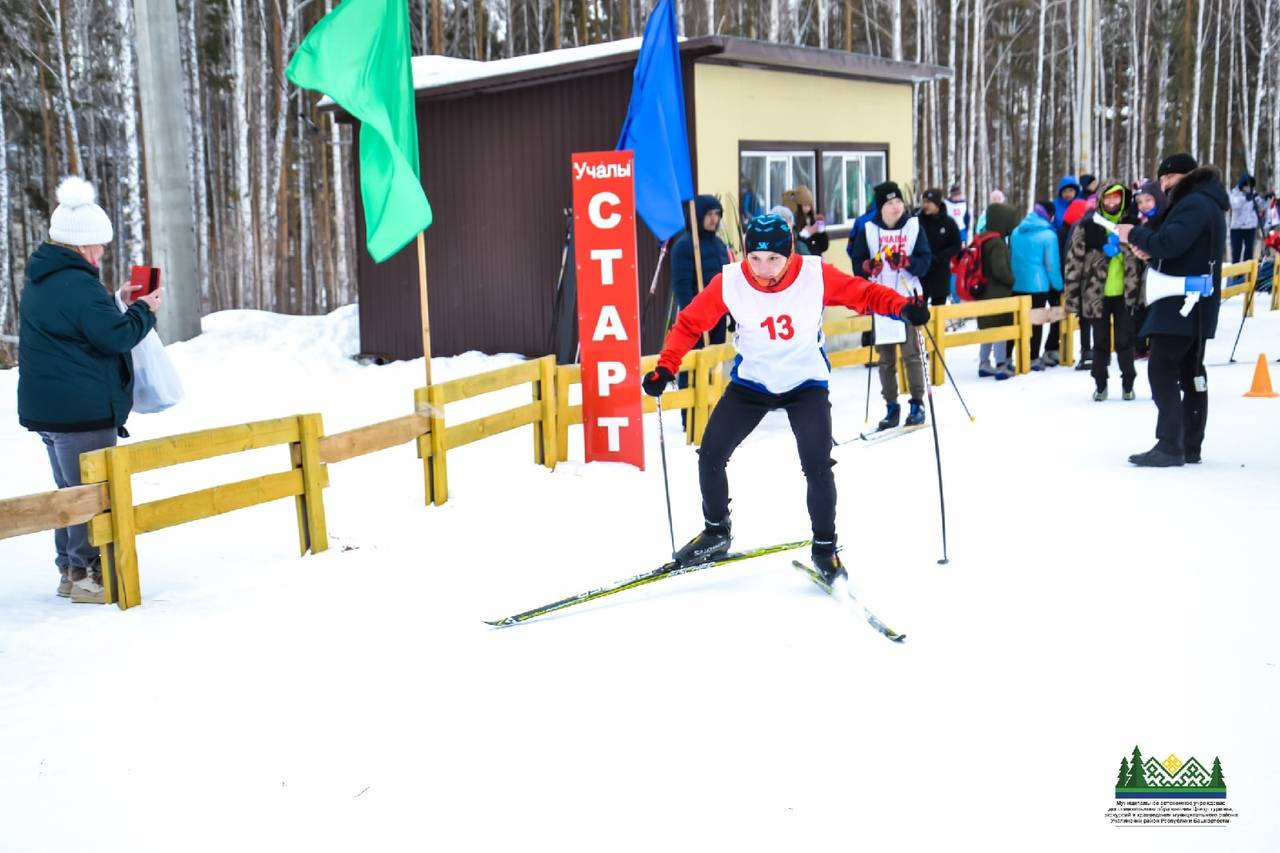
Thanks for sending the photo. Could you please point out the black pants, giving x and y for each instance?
(739, 412)
(1040, 300)
(1113, 306)
(1174, 364)
(1242, 244)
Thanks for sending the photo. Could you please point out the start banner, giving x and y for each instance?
(604, 223)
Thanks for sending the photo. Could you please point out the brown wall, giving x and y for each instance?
(496, 169)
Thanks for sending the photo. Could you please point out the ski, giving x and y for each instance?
(872, 619)
(882, 435)
(667, 570)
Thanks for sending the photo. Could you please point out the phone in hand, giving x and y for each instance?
(147, 279)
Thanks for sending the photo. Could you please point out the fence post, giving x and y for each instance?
(1067, 337)
(1252, 279)
(313, 532)
(562, 413)
(937, 328)
(700, 382)
(1024, 334)
(545, 450)
(123, 533)
(437, 466)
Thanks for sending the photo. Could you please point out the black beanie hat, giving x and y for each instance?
(934, 195)
(769, 233)
(1176, 164)
(887, 192)
(1085, 180)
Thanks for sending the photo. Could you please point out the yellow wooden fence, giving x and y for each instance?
(1249, 271)
(1018, 333)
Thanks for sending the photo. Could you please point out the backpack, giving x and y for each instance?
(971, 281)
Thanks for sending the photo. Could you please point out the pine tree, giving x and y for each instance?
(1216, 780)
(1123, 779)
(1137, 778)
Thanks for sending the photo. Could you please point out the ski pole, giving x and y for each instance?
(937, 452)
(946, 370)
(666, 485)
(866, 414)
(1244, 315)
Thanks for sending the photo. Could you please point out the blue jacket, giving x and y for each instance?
(1060, 204)
(75, 368)
(1034, 256)
(715, 254)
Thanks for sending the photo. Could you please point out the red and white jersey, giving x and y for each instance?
(779, 335)
(957, 211)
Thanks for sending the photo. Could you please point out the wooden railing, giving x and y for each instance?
(1018, 333)
(1249, 271)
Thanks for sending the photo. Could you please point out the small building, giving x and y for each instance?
(496, 138)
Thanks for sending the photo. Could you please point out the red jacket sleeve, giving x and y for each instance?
(863, 296)
(700, 315)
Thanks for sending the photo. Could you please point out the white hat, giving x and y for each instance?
(785, 212)
(78, 220)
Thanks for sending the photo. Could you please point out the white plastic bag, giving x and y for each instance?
(156, 384)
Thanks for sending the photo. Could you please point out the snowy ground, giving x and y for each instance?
(355, 701)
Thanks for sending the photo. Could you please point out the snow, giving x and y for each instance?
(354, 700)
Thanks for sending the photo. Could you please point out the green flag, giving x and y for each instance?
(359, 55)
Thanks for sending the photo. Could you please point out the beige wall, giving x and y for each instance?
(734, 104)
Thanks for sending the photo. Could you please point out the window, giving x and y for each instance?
(765, 175)
(840, 176)
(847, 179)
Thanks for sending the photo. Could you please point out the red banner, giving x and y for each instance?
(604, 233)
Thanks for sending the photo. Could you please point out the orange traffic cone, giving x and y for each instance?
(1261, 380)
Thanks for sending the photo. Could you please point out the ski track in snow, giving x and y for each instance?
(354, 700)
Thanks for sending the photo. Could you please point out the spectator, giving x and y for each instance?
(894, 253)
(1187, 245)
(781, 210)
(1037, 271)
(809, 226)
(1150, 202)
(1088, 188)
(1103, 285)
(958, 210)
(1272, 219)
(684, 273)
(996, 197)
(1068, 189)
(944, 244)
(1001, 219)
(1244, 219)
(75, 370)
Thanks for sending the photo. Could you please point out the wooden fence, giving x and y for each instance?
(1248, 271)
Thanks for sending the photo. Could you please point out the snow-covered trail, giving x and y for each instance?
(355, 700)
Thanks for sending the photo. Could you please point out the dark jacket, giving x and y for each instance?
(944, 244)
(1088, 264)
(921, 253)
(1001, 219)
(75, 371)
(715, 254)
(1189, 241)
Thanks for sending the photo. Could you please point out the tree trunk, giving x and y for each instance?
(245, 278)
(1264, 53)
(7, 313)
(1035, 107)
(1195, 86)
(135, 239)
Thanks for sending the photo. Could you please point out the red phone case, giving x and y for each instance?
(146, 277)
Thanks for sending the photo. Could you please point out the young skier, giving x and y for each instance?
(776, 298)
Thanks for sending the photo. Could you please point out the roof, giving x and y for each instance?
(437, 76)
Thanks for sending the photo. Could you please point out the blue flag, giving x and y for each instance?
(655, 127)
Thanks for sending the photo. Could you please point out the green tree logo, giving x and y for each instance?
(1137, 777)
(1215, 780)
(1123, 778)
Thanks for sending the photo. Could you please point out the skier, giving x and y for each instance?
(776, 298)
(894, 252)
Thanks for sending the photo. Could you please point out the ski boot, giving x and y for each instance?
(827, 562)
(891, 418)
(915, 417)
(711, 544)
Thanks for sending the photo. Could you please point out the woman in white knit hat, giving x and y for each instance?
(75, 371)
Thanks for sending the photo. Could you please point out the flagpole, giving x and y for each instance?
(694, 227)
(422, 303)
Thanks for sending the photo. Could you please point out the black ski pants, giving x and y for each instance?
(1041, 300)
(1174, 364)
(739, 412)
(1113, 306)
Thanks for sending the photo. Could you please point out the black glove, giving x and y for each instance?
(656, 381)
(915, 313)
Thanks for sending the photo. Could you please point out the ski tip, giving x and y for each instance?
(944, 561)
(502, 623)
(897, 638)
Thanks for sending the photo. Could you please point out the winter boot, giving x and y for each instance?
(1127, 391)
(985, 369)
(64, 585)
(1086, 360)
(915, 416)
(1037, 365)
(827, 562)
(891, 418)
(1192, 457)
(86, 585)
(1157, 458)
(1051, 358)
(1004, 371)
(712, 543)
(1100, 394)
